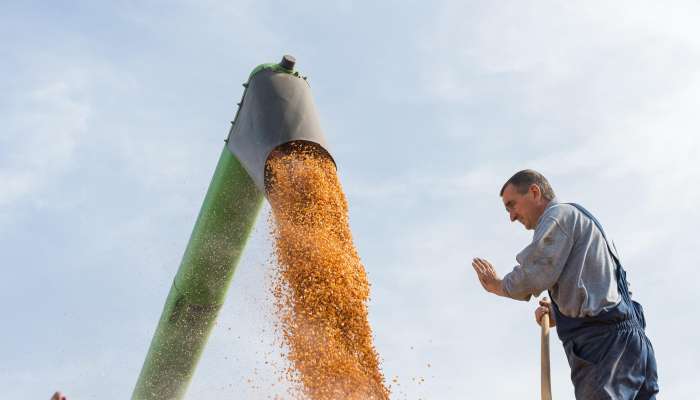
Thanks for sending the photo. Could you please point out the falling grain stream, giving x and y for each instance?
(319, 286)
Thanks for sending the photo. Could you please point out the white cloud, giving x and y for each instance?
(44, 127)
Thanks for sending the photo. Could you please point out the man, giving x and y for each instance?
(601, 328)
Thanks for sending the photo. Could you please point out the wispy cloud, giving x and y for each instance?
(43, 129)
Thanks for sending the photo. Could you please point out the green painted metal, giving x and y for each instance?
(272, 67)
(227, 216)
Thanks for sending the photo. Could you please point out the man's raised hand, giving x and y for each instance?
(488, 277)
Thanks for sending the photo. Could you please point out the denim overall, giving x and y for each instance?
(609, 354)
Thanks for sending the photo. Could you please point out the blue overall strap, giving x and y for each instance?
(600, 228)
(571, 327)
(609, 354)
(622, 275)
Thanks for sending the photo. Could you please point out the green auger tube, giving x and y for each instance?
(224, 223)
(276, 108)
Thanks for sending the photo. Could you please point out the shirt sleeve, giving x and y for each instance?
(540, 263)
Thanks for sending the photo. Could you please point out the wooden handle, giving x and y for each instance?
(545, 381)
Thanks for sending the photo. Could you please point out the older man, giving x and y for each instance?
(600, 326)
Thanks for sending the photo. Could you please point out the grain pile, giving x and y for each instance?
(320, 286)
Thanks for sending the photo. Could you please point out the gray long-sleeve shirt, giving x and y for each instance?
(568, 255)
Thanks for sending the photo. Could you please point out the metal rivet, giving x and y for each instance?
(288, 62)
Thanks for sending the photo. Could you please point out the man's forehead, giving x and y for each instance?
(509, 192)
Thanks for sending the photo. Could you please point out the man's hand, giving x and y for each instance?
(545, 308)
(488, 277)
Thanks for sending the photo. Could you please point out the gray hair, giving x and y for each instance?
(523, 179)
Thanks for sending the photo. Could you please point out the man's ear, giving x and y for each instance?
(536, 192)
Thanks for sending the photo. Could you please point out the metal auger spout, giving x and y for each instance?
(277, 108)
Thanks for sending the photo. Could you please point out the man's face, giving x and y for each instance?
(522, 207)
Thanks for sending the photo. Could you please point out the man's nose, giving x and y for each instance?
(513, 217)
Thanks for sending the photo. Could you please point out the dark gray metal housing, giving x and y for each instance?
(277, 108)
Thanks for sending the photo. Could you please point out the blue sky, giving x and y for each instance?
(114, 114)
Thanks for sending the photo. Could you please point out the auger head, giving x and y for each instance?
(277, 108)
